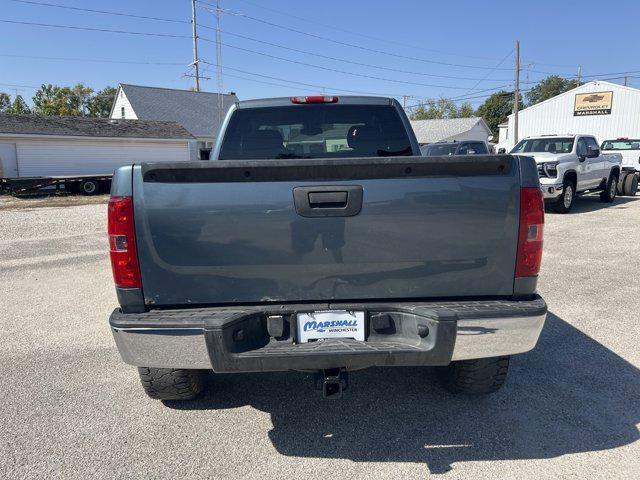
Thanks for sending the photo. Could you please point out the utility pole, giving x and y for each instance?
(404, 101)
(196, 68)
(219, 62)
(579, 73)
(516, 98)
(625, 80)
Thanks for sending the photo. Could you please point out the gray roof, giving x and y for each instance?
(436, 130)
(195, 111)
(90, 127)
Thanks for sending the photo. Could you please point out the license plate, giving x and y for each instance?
(330, 324)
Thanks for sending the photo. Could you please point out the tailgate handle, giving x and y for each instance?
(328, 201)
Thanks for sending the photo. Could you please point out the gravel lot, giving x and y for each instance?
(71, 409)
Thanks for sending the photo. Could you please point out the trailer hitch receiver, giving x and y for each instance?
(332, 382)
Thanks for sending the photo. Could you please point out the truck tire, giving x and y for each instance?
(89, 187)
(564, 202)
(621, 179)
(171, 383)
(474, 377)
(608, 195)
(631, 185)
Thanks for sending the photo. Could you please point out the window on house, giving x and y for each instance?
(121, 112)
(205, 154)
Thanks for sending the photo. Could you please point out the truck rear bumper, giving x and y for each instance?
(238, 339)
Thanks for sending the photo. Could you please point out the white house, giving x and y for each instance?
(449, 129)
(200, 113)
(38, 146)
(603, 109)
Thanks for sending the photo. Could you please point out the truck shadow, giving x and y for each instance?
(591, 203)
(570, 395)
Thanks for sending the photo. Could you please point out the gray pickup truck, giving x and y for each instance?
(319, 240)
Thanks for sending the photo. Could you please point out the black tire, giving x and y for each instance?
(564, 202)
(475, 377)
(171, 383)
(631, 185)
(608, 195)
(89, 187)
(621, 180)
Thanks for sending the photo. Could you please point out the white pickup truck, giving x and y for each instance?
(570, 165)
(629, 148)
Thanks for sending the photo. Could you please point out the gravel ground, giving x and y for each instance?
(71, 409)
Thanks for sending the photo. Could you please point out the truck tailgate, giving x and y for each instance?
(318, 230)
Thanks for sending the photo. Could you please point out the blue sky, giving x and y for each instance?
(470, 41)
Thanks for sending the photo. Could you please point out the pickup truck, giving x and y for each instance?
(569, 165)
(456, 147)
(319, 240)
(629, 149)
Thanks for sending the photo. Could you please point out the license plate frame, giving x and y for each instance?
(330, 324)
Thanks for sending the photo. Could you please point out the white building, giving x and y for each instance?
(605, 110)
(200, 113)
(38, 146)
(450, 129)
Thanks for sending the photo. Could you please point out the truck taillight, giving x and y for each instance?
(314, 99)
(122, 243)
(530, 232)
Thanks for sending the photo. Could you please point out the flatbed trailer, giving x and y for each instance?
(86, 185)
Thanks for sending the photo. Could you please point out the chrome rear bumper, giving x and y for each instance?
(207, 338)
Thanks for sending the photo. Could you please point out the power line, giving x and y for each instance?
(103, 12)
(491, 71)
(321, 87)
(77, 59)
(353, 45)
(352, 62)
(90, 29)
(351, 32)
(362, 75)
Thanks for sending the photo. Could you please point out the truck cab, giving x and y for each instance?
(569, 165)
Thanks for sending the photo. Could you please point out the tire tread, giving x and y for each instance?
(171, 383)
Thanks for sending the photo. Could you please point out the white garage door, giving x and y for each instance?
(65, 158)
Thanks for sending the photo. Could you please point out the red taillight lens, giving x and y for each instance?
(314, 99)
(530, 232)
(122, 243)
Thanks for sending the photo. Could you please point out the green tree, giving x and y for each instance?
(496, 109)
(466, 111)
(19, 106)
(64, 101)
(441, 108)
(99, 105)
(550, 87)
(5, 102)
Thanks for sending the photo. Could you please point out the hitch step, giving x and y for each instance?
(332, 382)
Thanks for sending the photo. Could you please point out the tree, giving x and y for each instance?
(496, 109)
(19, 106)
(466, 111)
(100, 104)
(550, 87)
(55, 100)
(441, 108)
(5, 102)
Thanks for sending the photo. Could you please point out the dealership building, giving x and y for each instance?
(605, 110)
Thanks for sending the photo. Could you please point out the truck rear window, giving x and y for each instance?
(621, 144)
(315, 131)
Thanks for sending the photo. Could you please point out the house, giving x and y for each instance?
(39, 146)
(200, 113)
(603, 109)
(449, 129)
